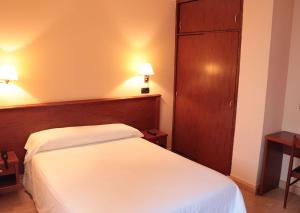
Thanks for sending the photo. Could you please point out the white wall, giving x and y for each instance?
(278, 65)
(291, 121)
(255, 53)
(263, 79)
(278, 68)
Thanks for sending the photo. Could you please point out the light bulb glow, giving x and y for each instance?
(8, 73)
(145, 69)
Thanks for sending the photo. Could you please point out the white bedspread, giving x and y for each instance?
(127, 176)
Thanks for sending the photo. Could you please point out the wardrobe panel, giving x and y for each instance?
(207, 66)
(209, 15)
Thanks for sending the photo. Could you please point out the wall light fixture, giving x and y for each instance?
(8, 73)
(146, 69)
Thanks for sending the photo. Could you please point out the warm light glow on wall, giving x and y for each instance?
(9, 48)
(7, 57)
(133, 84)
(135, 61)
(8, 70)
(11, 94)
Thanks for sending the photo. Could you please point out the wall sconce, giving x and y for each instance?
(8, 73)
(146, 70)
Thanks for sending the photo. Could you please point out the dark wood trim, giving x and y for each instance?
(175, 71)
(49, 104)
(157, 109)
(237, 79)
(203, 32)
(18, 122)
(184, 1)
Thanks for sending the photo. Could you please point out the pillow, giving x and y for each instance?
(74, 136)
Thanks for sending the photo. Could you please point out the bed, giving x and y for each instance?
(105, 173)
(110, 168)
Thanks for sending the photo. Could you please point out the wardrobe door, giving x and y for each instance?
(207, 67)
(209, 15)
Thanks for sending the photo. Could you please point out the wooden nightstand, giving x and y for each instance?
(159, 139)
(9, 178)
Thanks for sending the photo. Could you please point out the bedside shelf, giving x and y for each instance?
(159, 139)
(9, 178)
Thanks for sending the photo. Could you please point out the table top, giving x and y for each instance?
(283, 137)
(158, 134)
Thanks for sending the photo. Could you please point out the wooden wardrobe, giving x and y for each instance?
(208, 40)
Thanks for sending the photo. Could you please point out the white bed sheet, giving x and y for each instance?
(128, 176)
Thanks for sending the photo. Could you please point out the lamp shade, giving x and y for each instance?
(8, 72)
(146, 69)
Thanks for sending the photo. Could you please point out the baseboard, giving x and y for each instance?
(244, 185)
(294, 188)
(253, 189)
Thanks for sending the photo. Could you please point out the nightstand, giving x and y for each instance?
(159, 139)
(9, 178)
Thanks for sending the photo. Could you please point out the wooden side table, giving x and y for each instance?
(9, 177)
(159, 138)
(275, 146)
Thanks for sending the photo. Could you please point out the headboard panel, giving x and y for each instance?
(17, 123)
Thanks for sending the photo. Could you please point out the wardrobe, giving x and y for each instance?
(208, 40)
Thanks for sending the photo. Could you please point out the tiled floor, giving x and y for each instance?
(271, 202)
(20, 202)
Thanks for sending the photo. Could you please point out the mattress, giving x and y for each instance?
(129, 176)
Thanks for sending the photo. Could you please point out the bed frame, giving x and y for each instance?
(18, 122)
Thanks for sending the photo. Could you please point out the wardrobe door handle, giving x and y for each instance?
(179, 26)
(230, 104)
(235, 18)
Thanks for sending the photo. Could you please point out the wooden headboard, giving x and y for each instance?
(17, 123)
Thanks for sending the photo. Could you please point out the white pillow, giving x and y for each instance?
(74, 136)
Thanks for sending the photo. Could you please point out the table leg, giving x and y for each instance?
(271, 168)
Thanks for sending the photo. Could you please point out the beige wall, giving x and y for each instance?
(74, 49)
(291, 121)
(278, 65)
(278, 68)
(263, 80)
(255, 53)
